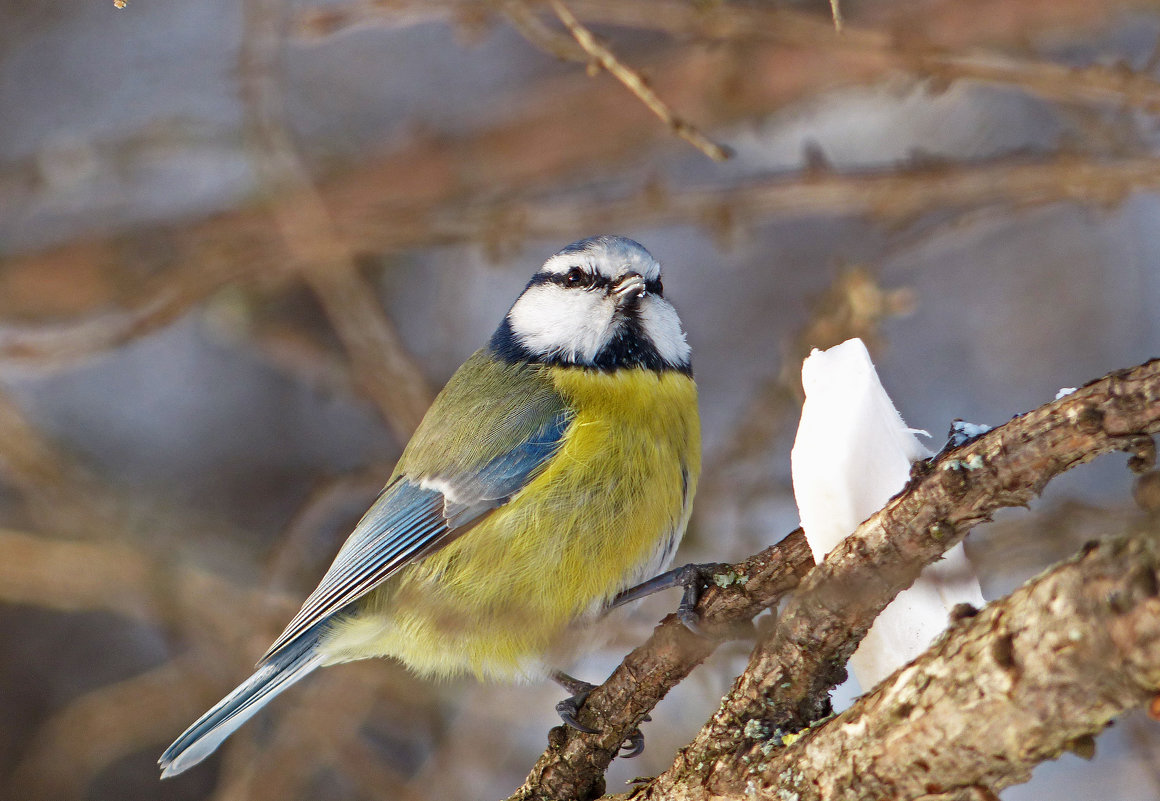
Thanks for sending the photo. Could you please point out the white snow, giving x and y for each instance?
(852, 453)
(962, 431)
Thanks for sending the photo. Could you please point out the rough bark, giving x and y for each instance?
(741, 591)
(1035, 674)
(785, 685)
(784, 688)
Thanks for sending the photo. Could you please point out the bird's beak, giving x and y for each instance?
(629, 288)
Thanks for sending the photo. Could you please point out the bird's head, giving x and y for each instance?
(597, 303)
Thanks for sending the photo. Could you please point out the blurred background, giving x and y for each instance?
(242, 244)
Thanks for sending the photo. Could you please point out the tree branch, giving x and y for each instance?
(792, 669)
(1033, 675)
(635, 83)
(245, 247)
(896, 196)
(794, 666)
(414, 196)
(926, 46)
(742, 591)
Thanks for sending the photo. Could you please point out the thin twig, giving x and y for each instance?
(955, 58)
(533, 29)
(636, 84)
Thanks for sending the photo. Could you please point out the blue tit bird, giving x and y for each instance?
(555, 470)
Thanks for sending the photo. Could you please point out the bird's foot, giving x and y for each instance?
(692, 578)
(569, 708)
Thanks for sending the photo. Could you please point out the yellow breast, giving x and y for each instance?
(605, 513)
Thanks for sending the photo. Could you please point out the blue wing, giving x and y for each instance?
(415, 516)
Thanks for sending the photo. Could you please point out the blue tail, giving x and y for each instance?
(283, 669)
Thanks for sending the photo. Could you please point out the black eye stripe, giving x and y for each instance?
(588, 280)
(654, 287)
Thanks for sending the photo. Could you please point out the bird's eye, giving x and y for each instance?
(657, 287)
(576, 277)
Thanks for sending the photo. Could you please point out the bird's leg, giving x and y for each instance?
(569, 708)
(694, 579)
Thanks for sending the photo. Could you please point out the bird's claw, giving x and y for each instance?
(633, 745)
(694, 579)
(569, 708)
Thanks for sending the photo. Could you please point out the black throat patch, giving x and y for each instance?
(628, 348)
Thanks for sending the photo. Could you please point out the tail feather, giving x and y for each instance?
(203, 737)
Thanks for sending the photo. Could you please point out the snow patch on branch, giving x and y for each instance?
(852, 454)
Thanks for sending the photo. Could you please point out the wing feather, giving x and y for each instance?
(416, 514)
(405, 521)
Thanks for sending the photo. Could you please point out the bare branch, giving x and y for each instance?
(124, 307)
(377, 218)
(897, 196)
(940, 50)
(389, 204)
(521, 16)
(1037, 673)
(804, 654)
(576, 760)
(935, 24)
(636, 84)
(791, 670)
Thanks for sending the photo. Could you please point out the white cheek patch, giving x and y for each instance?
(553, 321)
(661, 324)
